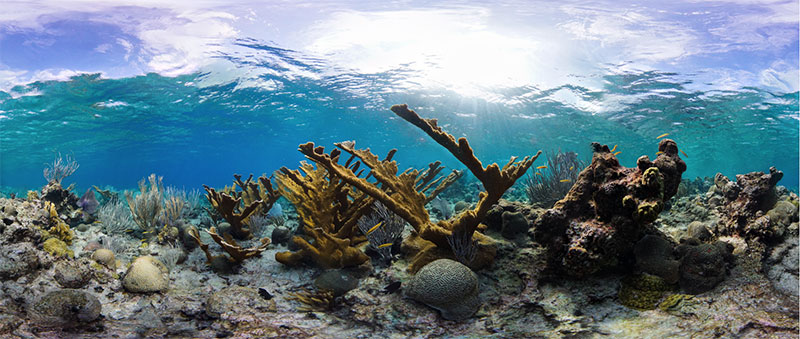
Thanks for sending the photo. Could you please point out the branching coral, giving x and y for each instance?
(229, 208)
(253, 191)
(329, 210)
(237, 254)
(400, 193)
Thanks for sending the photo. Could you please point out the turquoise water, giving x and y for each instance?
(243, 101)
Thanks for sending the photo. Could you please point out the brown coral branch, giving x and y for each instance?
(329, 210)
(228, 207)
(236, 251)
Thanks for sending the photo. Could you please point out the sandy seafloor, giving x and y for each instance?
(757, 299)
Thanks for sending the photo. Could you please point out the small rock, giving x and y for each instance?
(72, 274)
(697, 229)
(514, 224)
(146, 274)
(460, 206)
(337, 280)
(281, 235)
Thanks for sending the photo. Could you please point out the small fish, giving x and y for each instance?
(144, 241)
(537, 173)
(145, 232)
(130, 230)
(613, 149)
(659, 152)
(541, 167)
(97, 222)
(571, 168)
(684, 153)
(374, 228)
(661, 136)
(264, 293)
(392, 287)
(617, 153)
(565, 180)
(388, 244)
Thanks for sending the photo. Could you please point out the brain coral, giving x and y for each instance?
(448, 286)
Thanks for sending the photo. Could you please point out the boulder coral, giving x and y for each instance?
(447, 286)
(608, 209)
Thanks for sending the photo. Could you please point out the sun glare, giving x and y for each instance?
(447, 48)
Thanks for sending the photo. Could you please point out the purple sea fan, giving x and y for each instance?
(88, 202)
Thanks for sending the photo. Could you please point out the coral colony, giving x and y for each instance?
(348, 245)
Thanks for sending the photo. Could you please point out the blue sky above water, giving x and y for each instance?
(535, 74)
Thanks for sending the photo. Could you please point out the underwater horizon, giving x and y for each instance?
(196, 93)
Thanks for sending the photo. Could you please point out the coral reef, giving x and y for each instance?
(654, 256)
(403, 193)
(608, 209)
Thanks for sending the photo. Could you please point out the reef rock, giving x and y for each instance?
(17, 260)
(237, 299)
(782, 266)
(703, 266)
(66, 308)
(608, 209)
(654, 256)
(746, 201)
(448, 286)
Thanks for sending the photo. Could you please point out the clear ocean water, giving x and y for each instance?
(198, 92)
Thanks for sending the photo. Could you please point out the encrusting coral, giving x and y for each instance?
(608, 209)
(401, 192)
(329, 210)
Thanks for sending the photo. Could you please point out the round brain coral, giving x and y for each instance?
(447, 286)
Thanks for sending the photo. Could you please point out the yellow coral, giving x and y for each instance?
(60, 229)
(642, 292)
(57, 248)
